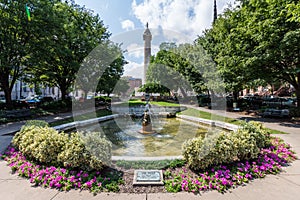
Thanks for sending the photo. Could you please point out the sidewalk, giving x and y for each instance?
(283, 186)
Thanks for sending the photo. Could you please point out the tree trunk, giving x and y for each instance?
(63, 90)
(7, 93)
(235, 96)
(7, 90)
(298, 96)
(183, 92)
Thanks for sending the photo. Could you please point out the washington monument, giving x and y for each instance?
(147, 37)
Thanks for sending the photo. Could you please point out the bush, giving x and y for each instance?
(222, 148)
(48, 146)
(39, 123)
(40, 143)
(294, 112)
(91, 150)
(57, 105)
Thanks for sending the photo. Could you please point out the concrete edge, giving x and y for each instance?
(223, 125)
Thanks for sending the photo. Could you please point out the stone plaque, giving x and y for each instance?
(148, 177)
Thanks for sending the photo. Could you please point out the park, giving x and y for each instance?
(212, 117)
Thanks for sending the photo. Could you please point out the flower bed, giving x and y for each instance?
(63, 178)
(222, 177)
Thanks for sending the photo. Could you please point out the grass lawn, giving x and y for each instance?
(163, 103)
(138, 102)
(99, 113)
(206, 115)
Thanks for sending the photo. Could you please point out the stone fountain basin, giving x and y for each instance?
(165, 144)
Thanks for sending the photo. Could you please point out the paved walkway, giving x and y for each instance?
(284, 186)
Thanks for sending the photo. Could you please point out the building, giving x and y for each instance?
(22, 90)
(134, 84)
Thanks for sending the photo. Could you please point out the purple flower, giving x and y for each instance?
(62, 170)
(88, 184)
(58, 185)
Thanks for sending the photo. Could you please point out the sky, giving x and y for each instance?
(169, 21)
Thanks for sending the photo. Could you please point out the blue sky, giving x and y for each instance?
(169, 20)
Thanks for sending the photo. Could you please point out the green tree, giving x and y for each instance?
(16, 40)
(101, 69)
(259, 39)
(111, 76)
(187, 67)
(154, 88)
(75, 32)
(122, 86)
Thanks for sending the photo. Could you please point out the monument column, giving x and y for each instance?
(147, 37)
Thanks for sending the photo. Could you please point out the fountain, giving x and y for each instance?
(146, 120)
(146, 124)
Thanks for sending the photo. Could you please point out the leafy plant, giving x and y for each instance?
(221, 148)
(48, 146)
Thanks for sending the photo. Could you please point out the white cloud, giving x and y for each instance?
(135, 50)
(188, 17)
(127, 25)
(134, 69)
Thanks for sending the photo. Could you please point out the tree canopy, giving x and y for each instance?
(257, 40)
(50, 45)
(77, 31)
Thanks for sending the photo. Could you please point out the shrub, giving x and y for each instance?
(222, 148)
(98, 146)
(48, 146)
(19, 135)
(40, 143)
(258, 131)
(294, 112)
(57, 105)
(39, 123)
(89, 151)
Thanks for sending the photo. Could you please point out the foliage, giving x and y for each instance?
(122, 86)
(222, 177)
(74, 33)
(54, 56)
(295, 112)
(111, 78)
(154, 88)
(257, 40)
(39, 123)
(16, 40)
(223, 148)
(63, 178)
(185, 67)
(55, 106)
(48, 146)
(101, 70)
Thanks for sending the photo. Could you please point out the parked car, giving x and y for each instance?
(276, 113)
(279, 102)
(2, 99)
(46, 99)
(17, 104)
